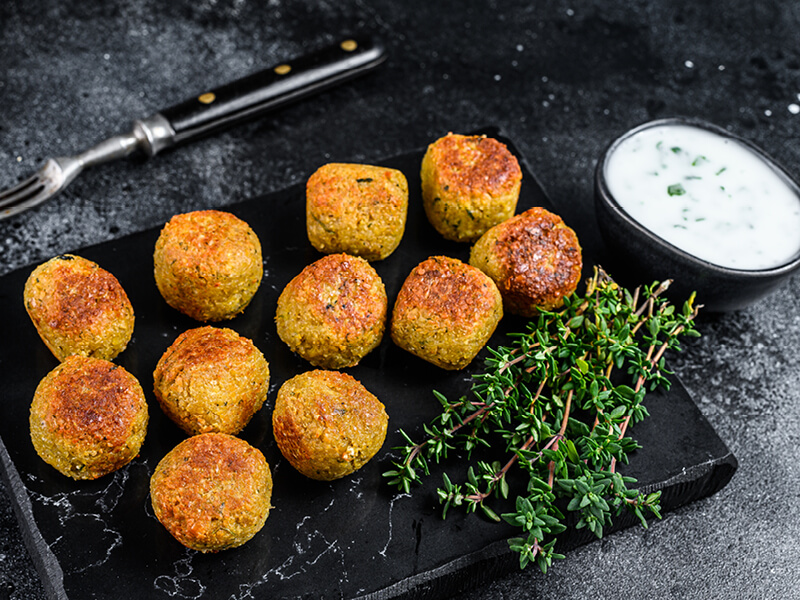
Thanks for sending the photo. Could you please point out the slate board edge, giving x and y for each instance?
(50, 572)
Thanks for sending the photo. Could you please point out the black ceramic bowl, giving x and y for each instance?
(638, 256)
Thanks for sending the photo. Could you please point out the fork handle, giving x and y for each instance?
(265, 90)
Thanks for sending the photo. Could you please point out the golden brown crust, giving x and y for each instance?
(78, 308)
(469, 184)
(212, 492)
(327, 425)
(211, 380)
(88, 417)
(208, 264)
(534, 259)
(445, 312)
(334, 312)
(357, 209)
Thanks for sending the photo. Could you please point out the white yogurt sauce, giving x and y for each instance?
(709, 195)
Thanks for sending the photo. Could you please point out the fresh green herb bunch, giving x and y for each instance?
(560, 399)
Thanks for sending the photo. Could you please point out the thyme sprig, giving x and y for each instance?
(559, 400)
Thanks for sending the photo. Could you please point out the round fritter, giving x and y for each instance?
(212, 492)
(78, 308)
(211, 380)
(358, 209)
(445, 312)
(327, 425)
(208, 264)
(469, 184)
(88, 417)
(334, 312)
(534, 259)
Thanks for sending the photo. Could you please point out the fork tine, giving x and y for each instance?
(24, 202)
(21, 192)
(20, 186)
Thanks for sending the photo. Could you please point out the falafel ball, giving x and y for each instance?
(445, 312)
(211, 380)
(208, 264)
(88, 417)
(334, 312)
(212, 492)
(327, 425)
(78, 308)
(358, 209)
(534, 259)
(469, 184)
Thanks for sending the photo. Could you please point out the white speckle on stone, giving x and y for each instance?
(794, 109)
(721, 68)
(497, 77)
(570, 12)
(106, 56)
(545, 79)
(688, 64)
(768, 112)
(545, 103)
(520, 47)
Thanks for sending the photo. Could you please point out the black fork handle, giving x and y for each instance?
(271, 88)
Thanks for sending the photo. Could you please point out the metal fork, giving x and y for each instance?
(207, 113)
(149, 135)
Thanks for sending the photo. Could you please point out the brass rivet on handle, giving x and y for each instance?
(348, 45)
(282, 69)
(207, 98)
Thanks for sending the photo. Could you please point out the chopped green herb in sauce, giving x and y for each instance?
(676, 189)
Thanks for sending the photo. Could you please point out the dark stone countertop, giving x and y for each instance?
(562, 79)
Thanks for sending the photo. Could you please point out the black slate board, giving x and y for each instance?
(351, 538)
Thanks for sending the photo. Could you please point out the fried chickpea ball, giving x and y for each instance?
(88, 417)
(334, 312)
(211, 380)
(208, 264)
(445, 312)
(78, 308)
(212, 492)
(469, 184)
(327, 425)
(358, 209)
(534, 259)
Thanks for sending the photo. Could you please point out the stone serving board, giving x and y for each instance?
(352, 538)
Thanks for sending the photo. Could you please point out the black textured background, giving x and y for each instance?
(560, 78)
